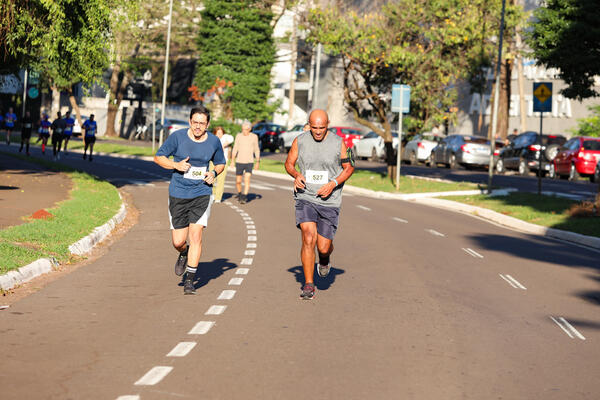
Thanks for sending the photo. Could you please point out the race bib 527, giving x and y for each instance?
(317, 177)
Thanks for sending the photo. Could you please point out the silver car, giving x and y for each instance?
(372, 147)
(289, 136)
(420, 147)
(456, 150)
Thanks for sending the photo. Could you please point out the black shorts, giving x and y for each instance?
(240, 169)
(45, 134)
(183, 212)
(325, 217)
(89, 139)
(25, 133)
(57, 137)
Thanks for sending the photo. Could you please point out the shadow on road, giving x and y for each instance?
(210, 270)
(320, 283)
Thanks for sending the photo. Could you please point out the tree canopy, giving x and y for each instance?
(566, 35)
(235, 45)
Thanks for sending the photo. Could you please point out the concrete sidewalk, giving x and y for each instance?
(26, 188)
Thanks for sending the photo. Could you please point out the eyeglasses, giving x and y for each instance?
(198, 123)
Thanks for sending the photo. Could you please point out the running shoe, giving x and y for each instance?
(181, 263)
(308, 291)
(243, 199)
(323, 270)
(188, 286)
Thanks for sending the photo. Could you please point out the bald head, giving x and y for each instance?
(319, 122)
(318, 115)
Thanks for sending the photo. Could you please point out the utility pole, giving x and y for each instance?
(166, 73)
(292, 91)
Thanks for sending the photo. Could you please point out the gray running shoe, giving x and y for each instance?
(188, 286)
(243, 199)
(181, 263)
(323, 270)
(308, 291)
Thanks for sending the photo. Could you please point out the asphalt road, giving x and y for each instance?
(421, 304)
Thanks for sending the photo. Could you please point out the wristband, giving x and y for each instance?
(336, 182)
(215, 172)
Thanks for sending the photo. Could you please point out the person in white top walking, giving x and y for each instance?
(226, 141)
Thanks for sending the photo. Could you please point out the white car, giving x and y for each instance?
(420, 147)
(371, 146)
(289, 136)
(76, 126)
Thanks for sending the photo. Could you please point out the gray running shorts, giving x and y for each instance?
(241, 168)
(325, 217)
(183, 212)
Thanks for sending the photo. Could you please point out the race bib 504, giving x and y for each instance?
(317, 177)
(196, 173)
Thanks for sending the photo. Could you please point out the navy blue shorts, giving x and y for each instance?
(325, 217)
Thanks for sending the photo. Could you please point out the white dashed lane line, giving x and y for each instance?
(226, 295)
(512, 282)
(567, 328)
(182, 349)
(435, 233)
(236, 281)
(201, 328)
(246, 261)
(363, 208)
(400, 220)
(472, 252)
(216, 310)
(154, 376)
(242, 271)
(129, 397)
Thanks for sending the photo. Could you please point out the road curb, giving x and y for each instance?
(511, 222)
(81, 247)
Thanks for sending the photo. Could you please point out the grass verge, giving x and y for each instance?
(550, 211)
(375, 181)
(91, 203)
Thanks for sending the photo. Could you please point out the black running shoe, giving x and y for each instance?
(181, 263)
(188, 286)
(308, 291)
(323, 270)
(243, 199)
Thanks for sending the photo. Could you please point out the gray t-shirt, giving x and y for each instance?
(320, 162)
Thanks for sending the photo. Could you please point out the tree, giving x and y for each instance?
(424, 44)
(565, 35)
(235, 45)
(589, 126)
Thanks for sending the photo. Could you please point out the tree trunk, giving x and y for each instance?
(114, 99)
(75, 106)
(504, 102)
(55, 102)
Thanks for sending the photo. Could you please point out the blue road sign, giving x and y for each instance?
(401, 92)
(542, 97)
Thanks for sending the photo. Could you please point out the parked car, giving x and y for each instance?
(268, 135)
(523, 153)
(350, 135)
(577, 157)
(76, 126)
(456, 150)
(171, 125)
(288, 136)
(418, 149)
(372, 146)
(596, 177)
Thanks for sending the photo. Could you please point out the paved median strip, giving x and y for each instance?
(512, 282)
(567, 328)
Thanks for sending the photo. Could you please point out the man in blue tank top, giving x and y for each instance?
(190, 190)
(325, 164)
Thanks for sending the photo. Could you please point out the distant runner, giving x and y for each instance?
(26, 127)
(89, 138)
(190, 190)
(9, 123)
(44, 132)
(245, 151)
(69, 121)
(226, 141)
(325, 164)
(58, 130)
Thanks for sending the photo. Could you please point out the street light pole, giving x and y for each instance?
(166, 72)
(496, 100)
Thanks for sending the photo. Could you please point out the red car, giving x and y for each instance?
(350, 135)
(577, 157)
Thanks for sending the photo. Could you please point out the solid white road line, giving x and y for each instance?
(201, 328)
(129, 397)
(472, 253)
(249, 252)
(153, 376)
(236, 281)
(252, 238)
(246, 261)
(182, 349)
(364, 208)
(250, 245)
(435, 233)
(512, 282)
(568, 328)
(400, 220)
(226, 295)
(242, 271)
(215, 310)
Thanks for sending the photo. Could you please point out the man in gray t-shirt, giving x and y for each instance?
(325, 164)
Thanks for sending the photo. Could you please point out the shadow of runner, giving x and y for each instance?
(320, 283)
(210, 270)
